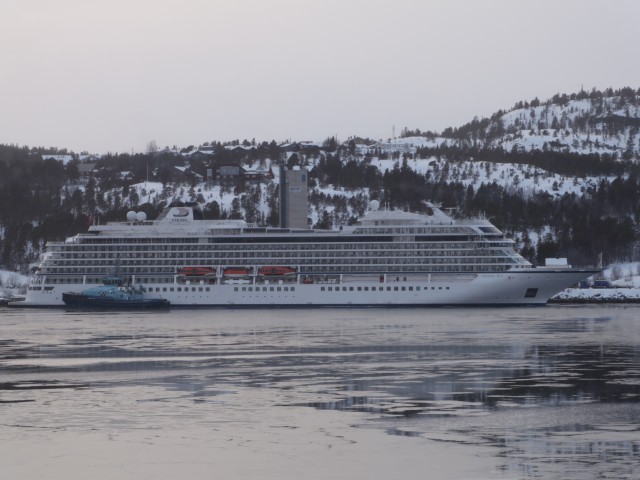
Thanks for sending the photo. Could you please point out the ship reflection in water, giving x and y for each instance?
(550, 392)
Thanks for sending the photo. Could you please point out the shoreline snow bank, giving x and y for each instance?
(598, 295)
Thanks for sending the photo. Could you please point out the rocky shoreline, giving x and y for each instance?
(597, 295)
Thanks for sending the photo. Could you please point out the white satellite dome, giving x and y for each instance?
(132, 216)
(141, 216)
(374, 205)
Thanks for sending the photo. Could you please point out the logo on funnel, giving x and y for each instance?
(180, 212)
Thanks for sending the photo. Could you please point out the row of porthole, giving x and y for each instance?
(265, 289)
(292, 289)
(235, 289)
(208, 289)
(380, 289)
(177, 289)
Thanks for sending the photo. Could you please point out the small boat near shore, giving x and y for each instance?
(113, 295)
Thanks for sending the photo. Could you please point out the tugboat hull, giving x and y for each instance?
(79, 300)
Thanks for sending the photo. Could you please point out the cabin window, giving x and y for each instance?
(322, 289)
(235, 289)
(531, 293)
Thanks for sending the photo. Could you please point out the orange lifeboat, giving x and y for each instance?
(237, 272)
(196, 271)
(276, 271)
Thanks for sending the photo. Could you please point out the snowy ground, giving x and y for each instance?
(598, 295)
(624, 279)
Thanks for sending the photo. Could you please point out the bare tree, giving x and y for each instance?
(152, 146)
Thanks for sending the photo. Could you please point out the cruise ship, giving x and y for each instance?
(387, 258)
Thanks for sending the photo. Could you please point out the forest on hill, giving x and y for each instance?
(561, 177)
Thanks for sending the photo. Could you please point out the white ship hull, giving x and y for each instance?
(530, 287)
(387, 258)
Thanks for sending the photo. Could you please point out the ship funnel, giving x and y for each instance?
(293, 198)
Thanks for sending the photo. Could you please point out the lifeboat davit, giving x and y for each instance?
(276, 271)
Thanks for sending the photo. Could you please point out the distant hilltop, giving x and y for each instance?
(585, 122)
(601, 122)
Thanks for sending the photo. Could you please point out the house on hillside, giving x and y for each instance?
(309, 147)
(358, 145)
(203, 153)
(126, 176)
(86, 170)
(240, 148)
(303, 146)
(166, 151)
(184, 174)
(391, 147)
(256, 175)
(65, 159)
(225, 174)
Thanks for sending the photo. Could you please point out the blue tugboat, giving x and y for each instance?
(113, 294)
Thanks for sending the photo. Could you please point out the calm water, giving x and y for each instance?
(550, 392)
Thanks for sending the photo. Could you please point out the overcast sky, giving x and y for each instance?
(112, 75)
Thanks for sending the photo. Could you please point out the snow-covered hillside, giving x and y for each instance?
(525, 180)
(583, 123)
(580, 126)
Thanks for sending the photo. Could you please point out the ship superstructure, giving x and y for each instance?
(387, 258)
